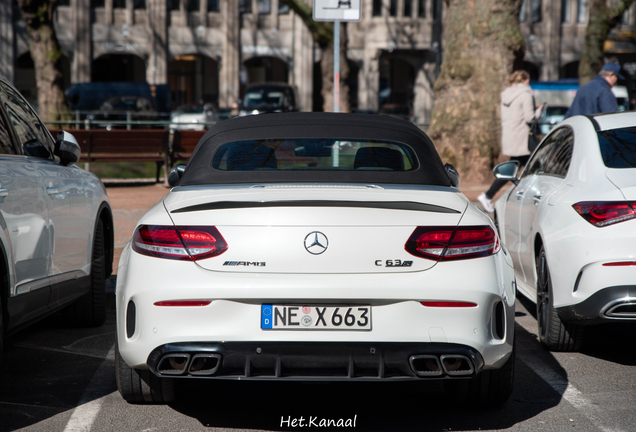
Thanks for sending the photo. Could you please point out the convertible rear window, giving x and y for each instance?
(618, 147)
(314, 154)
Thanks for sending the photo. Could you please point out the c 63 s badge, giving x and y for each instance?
(393, 263)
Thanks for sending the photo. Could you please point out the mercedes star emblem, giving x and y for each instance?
(316, 243)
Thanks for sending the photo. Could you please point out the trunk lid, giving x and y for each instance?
(315, 229)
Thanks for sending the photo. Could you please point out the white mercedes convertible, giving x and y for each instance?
(315, 246)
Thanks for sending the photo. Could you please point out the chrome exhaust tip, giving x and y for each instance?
(425, 365)
(624, 308)
(173, 364)
(204, 364)
(457, 365)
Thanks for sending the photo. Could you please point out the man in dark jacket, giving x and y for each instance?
(596, 96)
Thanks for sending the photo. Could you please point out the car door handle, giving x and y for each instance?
(537, 198)
(52, 191)
(520, 193)
(4, 193)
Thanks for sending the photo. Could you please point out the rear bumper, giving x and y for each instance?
(617, 303)
(392, 361)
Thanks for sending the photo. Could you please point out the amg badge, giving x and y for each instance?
(244, 263)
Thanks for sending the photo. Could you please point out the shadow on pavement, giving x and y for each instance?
(47, 367)
(375, 406)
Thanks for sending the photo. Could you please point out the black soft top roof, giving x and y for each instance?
(430, 170)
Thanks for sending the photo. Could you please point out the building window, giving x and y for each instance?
(421, 8)
(523, 13)
(245, 6)
(64, 3)
(408, 8)
(213, 5)
(565, 11)
(119, 4)
(283, 9)
(377, 8)
(174, 5)
(393, 8)
(98, 3)
(264, 7)
(536, 11)
(193, 6)
(139, 4)
(581, 11)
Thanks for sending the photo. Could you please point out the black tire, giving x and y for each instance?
(142, 386)
(489, 389)
(554, 334)
(90, 310)
(1, 330)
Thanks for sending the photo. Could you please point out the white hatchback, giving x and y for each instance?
(315, 246)
(567, 222)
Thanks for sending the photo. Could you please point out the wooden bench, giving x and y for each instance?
(100, 145)
(183, 144)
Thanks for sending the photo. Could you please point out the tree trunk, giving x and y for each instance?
(603, 18)
(47, 55)
(482, 43)
(322, 33)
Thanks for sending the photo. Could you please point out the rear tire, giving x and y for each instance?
(142, 386)
(1, 330)
(489, 389)
(554, 334)
(90, 310)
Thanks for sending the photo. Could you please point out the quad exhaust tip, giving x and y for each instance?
(449, 364)
(182, 363)
(624, 308)
(173, 364)
(204, 364)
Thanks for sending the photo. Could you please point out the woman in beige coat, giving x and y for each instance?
(517, 112)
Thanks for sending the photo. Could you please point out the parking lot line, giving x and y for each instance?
(90, 404)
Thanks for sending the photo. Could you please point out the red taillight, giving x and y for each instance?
(453, 243)
(448, 304)
(602, 214)
(180, 243)
(620, 264)
(183, 303)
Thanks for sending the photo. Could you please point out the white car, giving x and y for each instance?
(315, 246)
(567, 222)
(56, 241)
(192, 117)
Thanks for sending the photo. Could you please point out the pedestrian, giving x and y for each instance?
(517, 112)
(596, 96)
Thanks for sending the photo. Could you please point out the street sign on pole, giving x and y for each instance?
(336, 10)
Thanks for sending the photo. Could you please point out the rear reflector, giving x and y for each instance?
(189, 243)
(448, 304)
(453, 243)
(620, 264)
(183, 303)
(606, 213)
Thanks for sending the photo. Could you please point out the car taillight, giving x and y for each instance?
(453, 243)
(604, 213)
(189, 243)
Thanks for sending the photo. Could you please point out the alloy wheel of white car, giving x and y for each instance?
(554, 334)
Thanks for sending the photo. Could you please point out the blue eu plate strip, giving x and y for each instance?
(267, 313)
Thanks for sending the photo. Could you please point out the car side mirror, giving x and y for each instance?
(67, 148)
(175, 174)
(507, 171)
(452, 174)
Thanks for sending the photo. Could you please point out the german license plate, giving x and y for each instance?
(290, 317)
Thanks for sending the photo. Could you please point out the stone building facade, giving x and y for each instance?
(209, 50)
